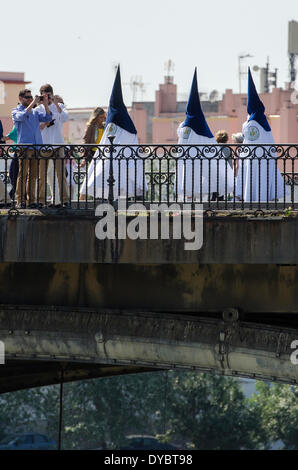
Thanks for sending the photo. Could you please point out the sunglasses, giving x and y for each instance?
(28, 97)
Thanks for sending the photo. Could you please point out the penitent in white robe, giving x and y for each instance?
(130, 180)
(253, 173)
(210, 175)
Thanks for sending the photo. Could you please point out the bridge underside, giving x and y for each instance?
(41, 342)
(22, 374)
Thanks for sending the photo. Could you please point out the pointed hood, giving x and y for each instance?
(117, 112)
(195, 118)
(255, 107)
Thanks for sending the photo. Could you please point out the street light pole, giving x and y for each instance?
(240, 57)
(239, 72)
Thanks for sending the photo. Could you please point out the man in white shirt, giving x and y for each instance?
(52, 135)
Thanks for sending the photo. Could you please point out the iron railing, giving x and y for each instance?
(219, 176)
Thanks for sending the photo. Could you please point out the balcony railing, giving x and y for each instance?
(218, 176)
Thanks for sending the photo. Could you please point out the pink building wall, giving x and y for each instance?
(12, 83)
(164, 129)
(166, 97)
(138, 115)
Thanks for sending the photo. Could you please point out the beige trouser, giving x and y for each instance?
(26, 182)
(58, 160)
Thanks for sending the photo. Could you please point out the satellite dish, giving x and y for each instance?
(203, 96)
(256, 68)
(213, 96)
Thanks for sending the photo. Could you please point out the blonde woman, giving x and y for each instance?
(93, 134)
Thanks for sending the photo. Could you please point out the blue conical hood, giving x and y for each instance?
(255, 107)
(195, 118)
(117, 112)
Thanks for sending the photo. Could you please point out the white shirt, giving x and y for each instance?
(53, 135)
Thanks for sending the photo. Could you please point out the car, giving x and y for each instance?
(28, 441)
(146, 443)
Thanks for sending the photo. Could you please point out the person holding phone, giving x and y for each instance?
(53, 164)
(27, 118)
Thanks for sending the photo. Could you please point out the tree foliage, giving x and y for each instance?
(211, 412)
(195, 410)
(277, 405)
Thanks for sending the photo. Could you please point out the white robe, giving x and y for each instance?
(219, 170)
(255, 171)
(50, 181)
(131, 168)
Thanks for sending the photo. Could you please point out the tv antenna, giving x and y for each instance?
(138, 87)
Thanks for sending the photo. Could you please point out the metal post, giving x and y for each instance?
(266, 84)
(165, 403)
(239, 72)
(292, 58)
(60, 411)
(111, 179)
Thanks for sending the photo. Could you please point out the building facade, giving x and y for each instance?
(157, 121)
(11, 83)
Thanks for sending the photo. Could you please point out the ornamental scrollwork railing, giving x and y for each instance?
(219, 176)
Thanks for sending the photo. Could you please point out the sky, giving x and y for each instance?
(75, 44)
